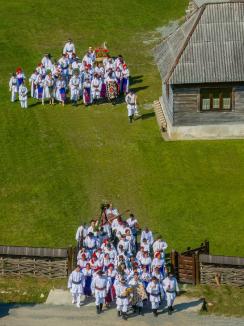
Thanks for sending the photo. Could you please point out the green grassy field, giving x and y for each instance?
(58, 164)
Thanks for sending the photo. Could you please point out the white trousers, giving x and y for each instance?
(23, 104)
(74, 94)
(170, 297)
(13, 95)
(99, 300)
(122, 304)
(122, 308)
(155, 305)
(76, 299)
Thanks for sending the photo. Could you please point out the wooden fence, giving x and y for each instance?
(186, 264)
(222, 270)
(36, 262)
(197, 266)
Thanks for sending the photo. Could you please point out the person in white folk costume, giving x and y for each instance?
(48, 88)
(69, 48)
(32, 82)
(13, 87)
(100, 286)
(170, 286)
(95, 87)
(47, 62)
(125, 78)
(159, 245)
(60, 93)
(74, 85)
(155, 291)
(131, 101)
(147, 234)
(136, 283)
(122, 300)
(23, 96)
(76, 284)
(80, 235)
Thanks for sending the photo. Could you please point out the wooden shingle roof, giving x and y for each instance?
(207, 48)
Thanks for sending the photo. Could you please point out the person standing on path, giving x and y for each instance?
(100, 287)
(155, 290)
(76, 284)
(170, 286)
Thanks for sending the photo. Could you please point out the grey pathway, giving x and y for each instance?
(54, 315)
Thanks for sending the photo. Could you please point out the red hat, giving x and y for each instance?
(124, 65)
(157, 254)
(19, 69)
(94, 255)
(110, 265)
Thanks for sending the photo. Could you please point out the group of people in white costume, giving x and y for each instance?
(93, 79)
(113, 267)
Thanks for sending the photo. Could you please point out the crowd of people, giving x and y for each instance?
(113, 266)
(94, 78)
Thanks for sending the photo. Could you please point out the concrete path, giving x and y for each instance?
(59, 311)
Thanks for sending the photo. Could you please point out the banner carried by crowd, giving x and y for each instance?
(111, 266)
(97, 77)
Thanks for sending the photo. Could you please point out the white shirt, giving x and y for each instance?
(147, 235)
(159, 245)
(131, 222)
(170, 285)
(69, 47)
(80, 233)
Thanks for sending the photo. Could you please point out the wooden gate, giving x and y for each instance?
(185, 265)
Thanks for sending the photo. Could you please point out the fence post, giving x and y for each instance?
(70, 259)
(193, 269)
(174, 262)
(206, 243)
(197, 268)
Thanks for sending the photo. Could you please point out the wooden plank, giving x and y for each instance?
(32, 252)
(223, 260)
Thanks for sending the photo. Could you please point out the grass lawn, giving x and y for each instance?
(224, 300)
(28, 289)
(58, 164)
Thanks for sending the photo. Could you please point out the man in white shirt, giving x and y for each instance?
(170, 286)
(80, 235)
(100, 287)
(76, 285)
(147, 234)
(69, 48)
(159, 245)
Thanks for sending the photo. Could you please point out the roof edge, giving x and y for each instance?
(201, 10)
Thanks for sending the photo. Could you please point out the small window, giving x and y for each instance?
(216, 99)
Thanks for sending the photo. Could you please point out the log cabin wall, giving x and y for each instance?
(186, 108)
(168, 102)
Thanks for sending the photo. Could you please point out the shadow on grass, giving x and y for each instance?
(136, 79)
(6, 307)
(147, 115)
(138, 89)
(32, 105)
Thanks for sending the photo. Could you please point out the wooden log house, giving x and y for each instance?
(202, 69)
